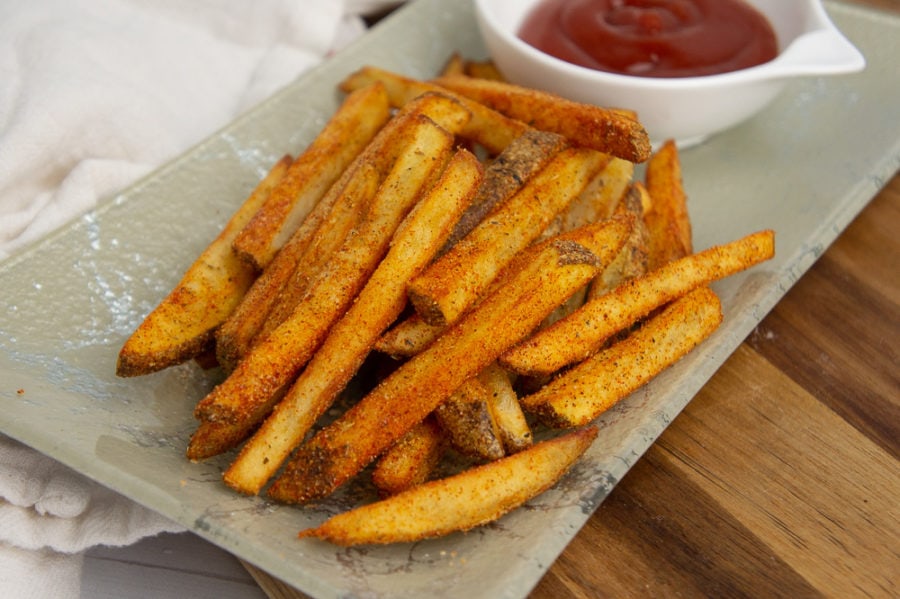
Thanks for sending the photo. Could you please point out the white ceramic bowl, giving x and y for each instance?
(686, 109)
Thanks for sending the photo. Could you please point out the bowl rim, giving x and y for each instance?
(777, 68)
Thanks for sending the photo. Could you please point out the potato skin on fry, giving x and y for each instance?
(460, 502)
(454, 282)
(585, 125)
(468, 422)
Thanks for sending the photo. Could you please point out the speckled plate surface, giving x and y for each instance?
(804, 167)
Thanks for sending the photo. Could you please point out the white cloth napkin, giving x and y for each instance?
(94, 94)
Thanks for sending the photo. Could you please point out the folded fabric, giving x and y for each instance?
(94, 94)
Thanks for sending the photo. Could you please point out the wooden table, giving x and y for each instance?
(781, 477)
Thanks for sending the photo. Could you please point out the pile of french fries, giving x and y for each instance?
(493, 242)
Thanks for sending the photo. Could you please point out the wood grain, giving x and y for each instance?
(781, 477)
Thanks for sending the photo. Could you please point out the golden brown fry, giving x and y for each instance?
(181, 327)
(480, 69)
(467, 421)
(581, 394)
(602, 195)
(487, 127)
(576, 337)
(455, 65)
(525, 156)
(355, 188)
(455, 281)
(249, 392)
(587, 125)
(379, 303)
(410, 461)
(242, 328)
(667, 220)
(632, 260)
(408, 337)
(460, 502)
(552, 272)
(345, 216)
(512, 426)
(505, 175)
(344, 136)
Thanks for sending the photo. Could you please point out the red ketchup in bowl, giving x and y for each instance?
(652, 38)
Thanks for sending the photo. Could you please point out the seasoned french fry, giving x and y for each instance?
(453, 283)
(601, 196)
(480, 69)
(181, 327)
(632, 260)
(579, 395)
(487, 127)
(243, 327)
(587, 125)
(667, 220)
(379, 303)
(355, 187)
(519, 161)
(460, 502)
(249, 391)
(349, 130)
(411, 460)
(552, 272)
(581, 334)
(408, 337)
(525, 156)
(512, 426)
(455, 65)
(466, 419)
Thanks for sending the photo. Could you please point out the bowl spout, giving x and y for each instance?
(820, 52)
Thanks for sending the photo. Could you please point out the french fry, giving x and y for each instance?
(466, 419)
(181, 327)
(480, 69)
(460, 502)
(587, 125)
(242, 328)
(379, 303)
(579, 395)
(355, 187)
(584, 332)
(601, 196)
(516, 164)
(512, 426)
(411, 460)
(632, 260)
(596, 202)
(667, 220)
(551, 272)
(455, 65)
(408, 337)
(453, 283)
(412, 335)
(248, 393)
(487, 127)
(349, 130)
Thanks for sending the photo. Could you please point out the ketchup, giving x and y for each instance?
(652, 38)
